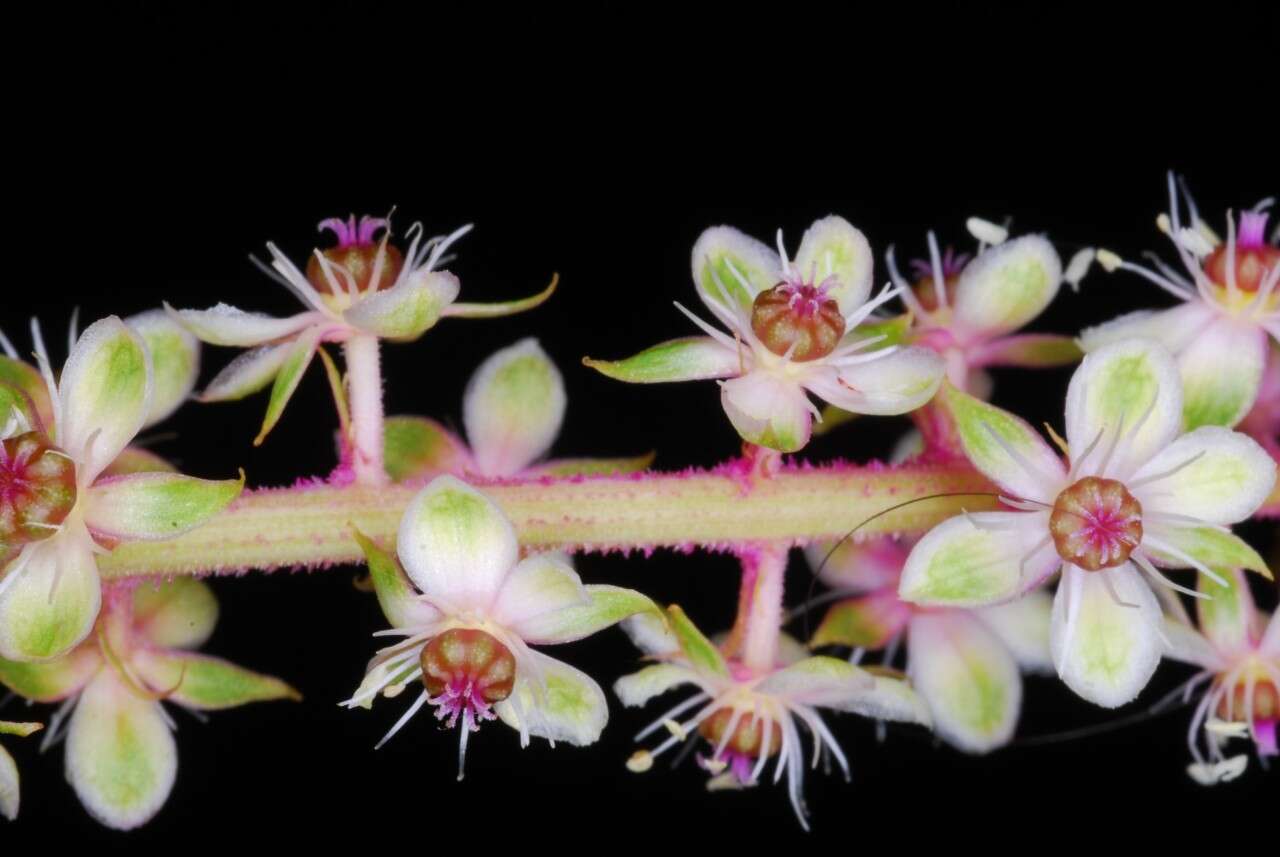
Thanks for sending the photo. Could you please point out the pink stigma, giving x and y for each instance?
(805, 300)
(952, 264)
(351, 234)
(462, 699)
(1253, 230)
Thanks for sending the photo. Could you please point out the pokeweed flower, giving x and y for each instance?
(476, 610)
(964, 663)
(969, 309)
(795, 327)
(59, 501)
(748, 716)
(1238, 649)
(1136, 496)
(512, 410)
(121, 758)
(1229, 308)
(363, 288)
(9, 769)
(1262, 423)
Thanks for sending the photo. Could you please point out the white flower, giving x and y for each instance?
(1230, 307)
(469, 626)
(1238, 649)
(49, 592)
(362, 287)
(795, 327)
(746, 716)
(1136, 496)
(968, 310)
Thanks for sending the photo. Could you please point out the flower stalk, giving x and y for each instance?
(314, 524)
(764, 570)
(364, 384)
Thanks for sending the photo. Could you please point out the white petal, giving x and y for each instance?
(105, 389)
(833, 683)
(406, 311)
(1221, 372)
(175, 361)
(513, 407)
(227, 325)
(968, 678)
(247, 373)
(1213, 473)
(768, 410)
(1023, 626)
(979, 559)
(640, 687)
(566, 706)
(1132, 390)
(1106, 639)
(726, 260)
(456, 545)
(48, 606)
(121, 756)
(834, 247)
(8, 786)
(1184, 643)
(1174, 328)
(1007, 286)
(896, 383)
(538, 585)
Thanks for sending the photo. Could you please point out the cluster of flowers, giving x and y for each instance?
(1148, 475)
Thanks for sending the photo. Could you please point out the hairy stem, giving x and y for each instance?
(723, 509)
(364, 383)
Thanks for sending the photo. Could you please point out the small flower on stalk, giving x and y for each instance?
(747, 717)
(9, 769)
(363, 286)
(795, 327)
(476, 610)
(1230, 308)
(964, 663)
(121, 758)
(1238, 648)
(61, 502)
(968, 309)
(1262, 423)
(512, 410)
(1137, 495)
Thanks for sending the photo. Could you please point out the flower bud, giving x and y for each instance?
(355, 257)
(470, 664)
(799, 320)
(748, 732)
(1096, 523)
(37, 489)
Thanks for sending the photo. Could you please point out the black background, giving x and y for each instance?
(181, 143)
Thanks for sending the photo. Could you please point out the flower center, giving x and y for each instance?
(465, 671)
(1234, 706)
(354, 258)
(37, 490)
(1096, 524)
(799, 320)
(747, 739)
